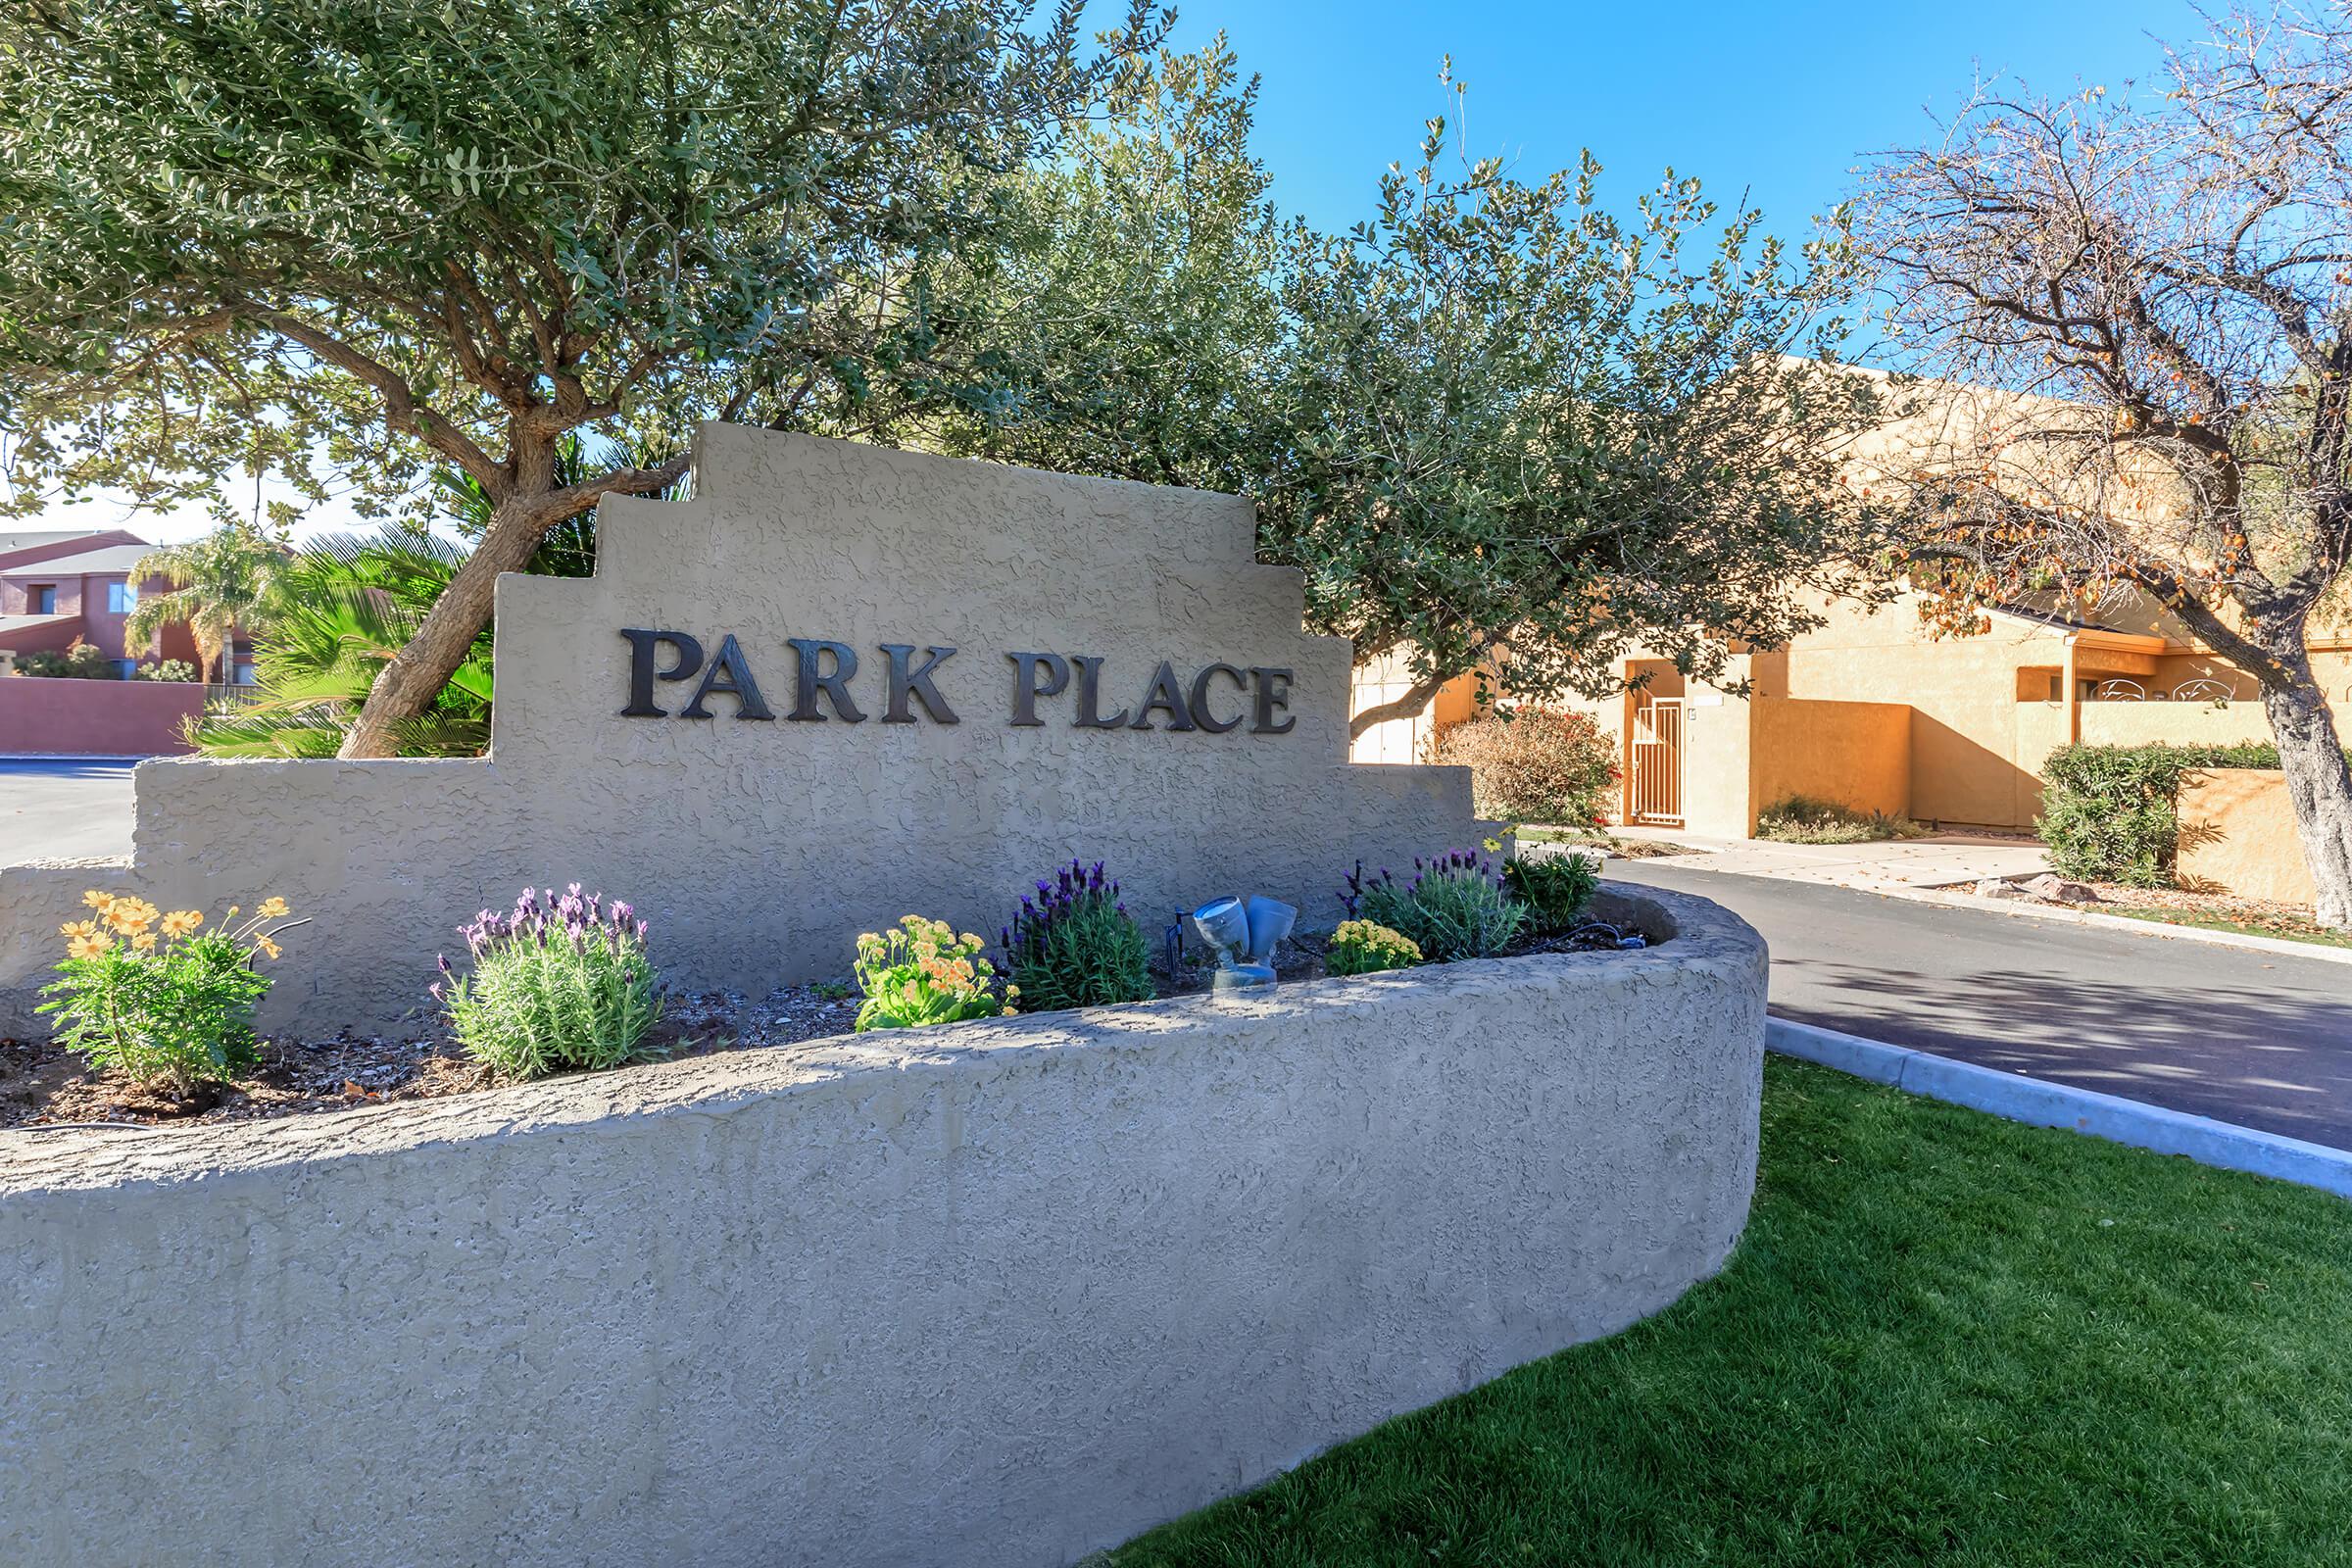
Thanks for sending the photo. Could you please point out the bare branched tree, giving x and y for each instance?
(2161, 284)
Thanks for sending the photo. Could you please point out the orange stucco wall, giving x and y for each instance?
(1857, 754)
(2238, 835)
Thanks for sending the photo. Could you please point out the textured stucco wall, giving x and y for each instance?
(760, 850)
(2239, 835)
(993, 1293)
(1857, 754)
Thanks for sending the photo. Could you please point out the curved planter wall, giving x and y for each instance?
(1000, 1292)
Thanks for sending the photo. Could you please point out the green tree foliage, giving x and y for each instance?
(1495, 422)
(219, 582)
(351, 242)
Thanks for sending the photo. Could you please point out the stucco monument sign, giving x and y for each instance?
(839, 685)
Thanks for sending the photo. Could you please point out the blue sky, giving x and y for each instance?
(1781, 99)
(1778, 100)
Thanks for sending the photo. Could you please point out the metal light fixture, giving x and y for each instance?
(1243, 932)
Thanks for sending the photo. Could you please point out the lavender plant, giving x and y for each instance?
(1455, 906)
(1073, 945)
(559, 985)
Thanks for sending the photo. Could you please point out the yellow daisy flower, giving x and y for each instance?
(144, 941)
(90, 946)
(98, 900)
(271, 907)
(78, 928)
(180, 922)
(267, 948)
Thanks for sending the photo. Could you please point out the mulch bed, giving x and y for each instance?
(43, 1084)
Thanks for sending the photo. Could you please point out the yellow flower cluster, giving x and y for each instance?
(138, 923)
(928, 955)
(1377, 937)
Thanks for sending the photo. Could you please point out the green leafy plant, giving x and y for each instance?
(174, 669)
(1073, 945)
(1803, 819)
(1535, 764)
(1554, 887)
(152, 996)
(81, 661)
(2109, 814)
(923, 972)
(561, 985)
(1455, 906)
(1364, 947)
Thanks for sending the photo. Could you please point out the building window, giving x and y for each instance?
(43, 600)
(121, 597)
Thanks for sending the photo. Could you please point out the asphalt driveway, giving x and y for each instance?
(63, 810)
(2256, 1038)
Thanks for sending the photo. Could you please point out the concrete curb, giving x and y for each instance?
(2040, 1104)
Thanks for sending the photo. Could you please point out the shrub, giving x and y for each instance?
(1074, 946)
(561, 985)
(1802, 820)
(149, 994)
(1360, 947)
(81, 661)
(1535, 764)
(169, 669)
(2109, 814)
(921, 972)
(1455, 906)
(1554, 887)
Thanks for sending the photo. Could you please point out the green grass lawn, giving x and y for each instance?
(1946, 1338)
(2285, 930)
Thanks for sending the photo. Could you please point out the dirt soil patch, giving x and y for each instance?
(2210, 912)
(43, 1084)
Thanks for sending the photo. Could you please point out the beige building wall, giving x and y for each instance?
(2238, 835)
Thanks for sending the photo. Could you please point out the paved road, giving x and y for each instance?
(52, 810)
(2255, 1038)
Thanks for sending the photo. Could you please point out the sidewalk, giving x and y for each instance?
(1893, 865)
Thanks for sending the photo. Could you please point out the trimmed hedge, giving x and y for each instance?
(2109, 814)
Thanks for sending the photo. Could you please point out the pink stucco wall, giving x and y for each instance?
(45, 716)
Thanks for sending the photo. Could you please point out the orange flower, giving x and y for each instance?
(267, 948)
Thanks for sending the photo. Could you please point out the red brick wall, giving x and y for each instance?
(44, 717)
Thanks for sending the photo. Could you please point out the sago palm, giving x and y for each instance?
(217, 580)
(336, 614)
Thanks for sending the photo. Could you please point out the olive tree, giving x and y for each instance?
(2163, 283)
(353, 243)
(1494, 423)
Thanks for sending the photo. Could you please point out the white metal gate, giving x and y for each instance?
(1658, 761)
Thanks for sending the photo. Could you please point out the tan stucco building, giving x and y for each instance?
(1881, 709)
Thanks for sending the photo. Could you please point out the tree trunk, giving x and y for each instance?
(2318, 780)
(416, 675)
